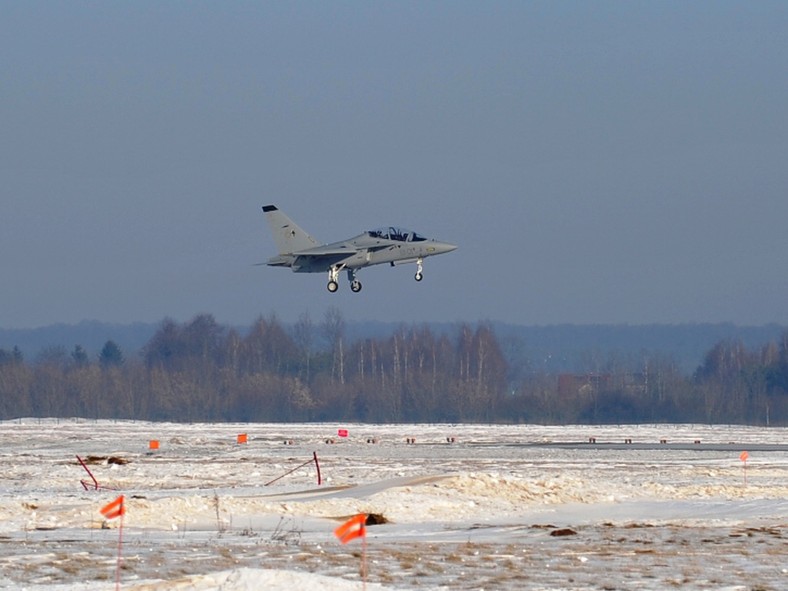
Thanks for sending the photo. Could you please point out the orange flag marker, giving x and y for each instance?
(353, 528)
(744, 456)
(114, 509)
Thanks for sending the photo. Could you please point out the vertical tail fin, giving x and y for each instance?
(289, 238)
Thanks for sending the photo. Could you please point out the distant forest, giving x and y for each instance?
(202, 371)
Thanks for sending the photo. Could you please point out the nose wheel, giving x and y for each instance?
(419, 269)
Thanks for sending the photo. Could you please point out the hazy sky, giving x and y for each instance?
(596, 162)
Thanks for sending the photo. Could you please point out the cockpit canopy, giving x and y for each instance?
(392, 233)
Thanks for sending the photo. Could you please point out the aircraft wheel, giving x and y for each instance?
(355, 286)
(419, 277)
(332, 286)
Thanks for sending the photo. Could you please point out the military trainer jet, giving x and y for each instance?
(303, 254)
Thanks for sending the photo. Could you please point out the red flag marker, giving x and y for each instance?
(114, 509)
(353, 528)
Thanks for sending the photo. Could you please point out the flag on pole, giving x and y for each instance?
(114, 509)
(743, 457)
(353, 528)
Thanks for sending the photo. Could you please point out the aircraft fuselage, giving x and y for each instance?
(303, 254)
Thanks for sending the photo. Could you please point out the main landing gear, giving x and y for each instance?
(355, 284)
(333, 276)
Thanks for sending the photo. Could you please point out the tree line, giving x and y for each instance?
(202, 371)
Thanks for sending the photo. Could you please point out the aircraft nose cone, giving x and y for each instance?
(443, 247)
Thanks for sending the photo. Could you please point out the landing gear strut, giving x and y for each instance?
(333, 279)
(355, 284)
(333, 274)
(419, 269)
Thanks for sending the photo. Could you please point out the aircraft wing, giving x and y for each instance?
(377, 247)
(329, 250)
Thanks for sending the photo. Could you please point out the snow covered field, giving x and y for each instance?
(465, 506)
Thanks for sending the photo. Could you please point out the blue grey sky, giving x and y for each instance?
(596, 162)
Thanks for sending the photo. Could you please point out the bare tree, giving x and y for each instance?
(304, 336)
(334, 333)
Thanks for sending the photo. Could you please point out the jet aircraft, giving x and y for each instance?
(303, 254)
